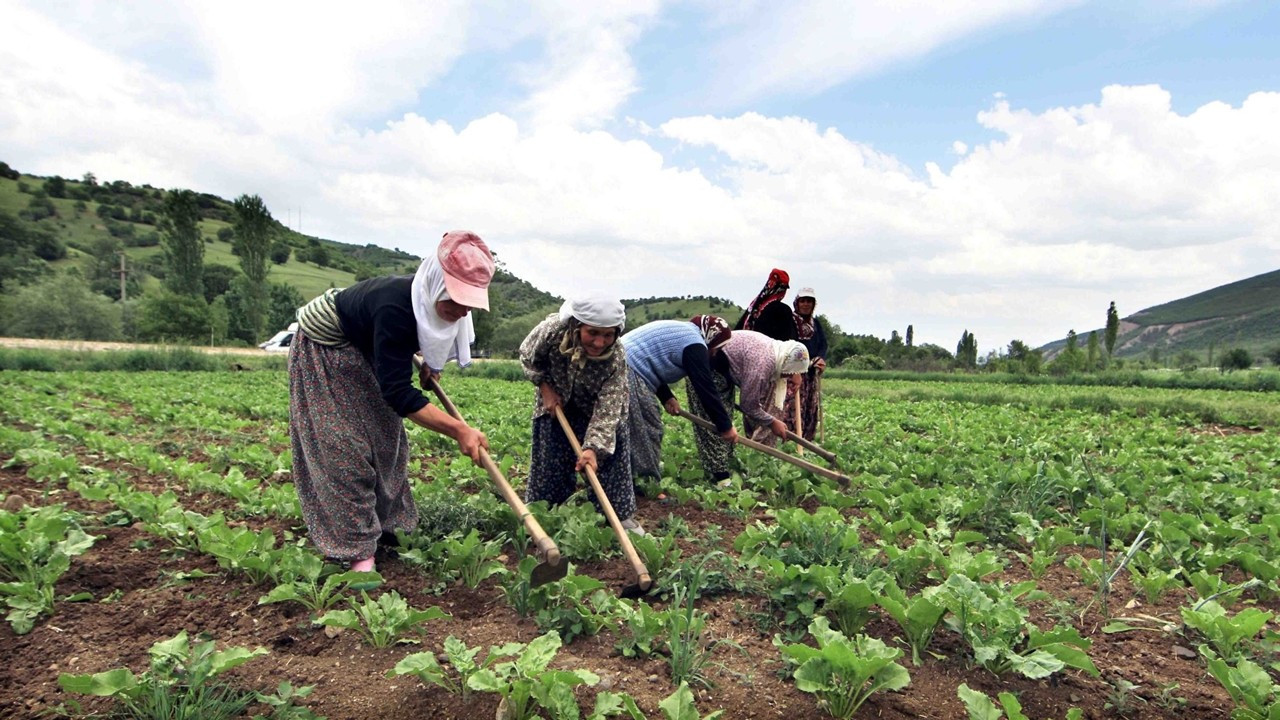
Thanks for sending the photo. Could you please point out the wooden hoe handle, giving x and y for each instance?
(748, 442)
(547, 549)
(642, 573)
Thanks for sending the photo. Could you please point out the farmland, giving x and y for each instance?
(1099, 549)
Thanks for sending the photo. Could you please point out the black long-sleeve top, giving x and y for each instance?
(377, 317)
(695, 360)
(776, 320)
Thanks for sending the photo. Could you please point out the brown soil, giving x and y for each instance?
(137, 602)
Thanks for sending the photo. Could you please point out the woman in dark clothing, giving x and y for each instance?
(808, 331)
(768, 314)
(350, 386)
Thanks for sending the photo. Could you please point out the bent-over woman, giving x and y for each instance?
(761, 368)
(573, 359)
(350, 386)
(660, 353)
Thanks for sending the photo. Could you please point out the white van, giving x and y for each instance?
(281, 340)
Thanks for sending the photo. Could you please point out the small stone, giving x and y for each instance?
(606, 682)
(652, 678)
(332, 631)
(1075, 697)
(14, 503)
(502, 558)
(1184, 653)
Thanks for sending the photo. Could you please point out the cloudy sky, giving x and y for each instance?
(1003, 166)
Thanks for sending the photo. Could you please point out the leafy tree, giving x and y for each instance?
(1071, 359)
(1274, 355)
(57, 308)
(183, 246)
(165, 315)
(1112, 329)
(253, 225)
(217, 280)
(280, 252)
(39, 207)
(911, 335)
(56, 187)
(318, 254)
(226, 235)
(8, 172)
(219, 321)
(283, 307)
(1235, 359)
(967, 351)
(1091, 351)
(1023, 358)
(23, 248)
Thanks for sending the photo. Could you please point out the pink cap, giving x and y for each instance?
(468, 268)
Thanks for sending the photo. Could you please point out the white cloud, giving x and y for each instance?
(587, 72)
(807, 46)
(1025, 236)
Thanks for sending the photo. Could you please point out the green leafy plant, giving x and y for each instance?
(1151, 578)
(525, 682)
(843, 672)
(1255, 695)
(282, 702)
(382, 622)
(517, 586)
(313, 588)
(462, 666)
(471, 559)
(996, 628)
(981, 707)
(1226, 633)
(641, 629)
(180, 682)
(679, 705)
(36, 547)
(918, 616)
(572, 606)
(241, 550)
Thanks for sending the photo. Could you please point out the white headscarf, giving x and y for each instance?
(791, 358)
(438, 339)
(595, 308)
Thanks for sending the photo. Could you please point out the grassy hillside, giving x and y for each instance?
(86, 216)
(90, 213)
(1244, 314)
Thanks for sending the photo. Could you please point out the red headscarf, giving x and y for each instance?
(775, 289)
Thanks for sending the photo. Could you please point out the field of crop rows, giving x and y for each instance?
(1038, 552)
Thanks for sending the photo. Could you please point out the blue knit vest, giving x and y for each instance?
(654, 350)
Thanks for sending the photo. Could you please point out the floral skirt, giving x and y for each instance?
(551, 474)
(350, 451)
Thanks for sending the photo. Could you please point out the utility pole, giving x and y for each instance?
(124, 274)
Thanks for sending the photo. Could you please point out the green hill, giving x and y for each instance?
(1243, 314)
(85, 223)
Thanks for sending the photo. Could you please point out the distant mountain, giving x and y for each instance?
(1243, 314)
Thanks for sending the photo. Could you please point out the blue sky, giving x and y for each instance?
(946, 168)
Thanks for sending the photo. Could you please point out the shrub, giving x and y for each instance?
(1235, 359)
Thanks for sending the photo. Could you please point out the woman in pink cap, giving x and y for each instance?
(350, 386)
